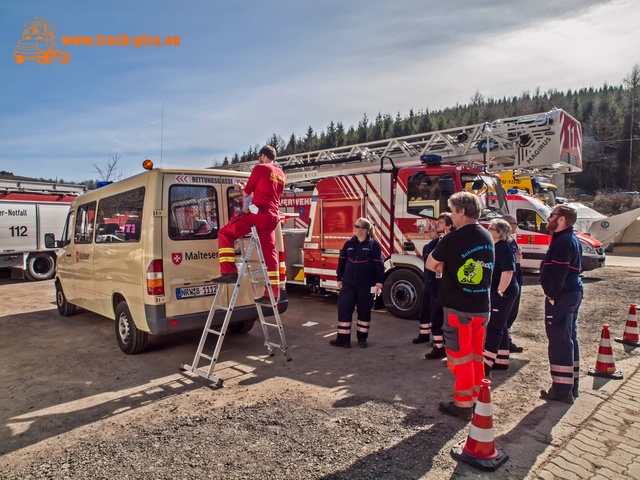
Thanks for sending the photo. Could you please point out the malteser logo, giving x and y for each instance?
(38, 43)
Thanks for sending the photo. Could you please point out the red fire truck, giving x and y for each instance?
(403, 184)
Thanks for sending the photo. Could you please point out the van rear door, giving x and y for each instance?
(195, 207)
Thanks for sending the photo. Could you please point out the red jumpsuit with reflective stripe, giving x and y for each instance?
(266, 183)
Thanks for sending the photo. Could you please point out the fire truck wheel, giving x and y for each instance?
(130, 339)
(402, 292)
(40, 266)
(65, 308)
(241, 327)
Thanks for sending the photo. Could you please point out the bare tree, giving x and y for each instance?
(108, 173)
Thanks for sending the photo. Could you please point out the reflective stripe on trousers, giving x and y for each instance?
(354, 298)
(561, 326)
(464, 341)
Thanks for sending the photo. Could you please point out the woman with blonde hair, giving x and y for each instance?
(360, 267)
(504, 291)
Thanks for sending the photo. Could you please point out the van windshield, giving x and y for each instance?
(193, 212)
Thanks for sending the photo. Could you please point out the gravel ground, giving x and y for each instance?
(75, 407)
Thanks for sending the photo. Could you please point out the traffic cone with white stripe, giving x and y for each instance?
(605, 364)
(630, 335)
(479, 449)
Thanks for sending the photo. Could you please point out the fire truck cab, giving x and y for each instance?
(403, 184)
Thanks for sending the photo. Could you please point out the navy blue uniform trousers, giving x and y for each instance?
(351, 298)
(561, 325)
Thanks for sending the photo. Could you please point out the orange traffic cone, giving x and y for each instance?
(605, 364)
(630, 335)
(479, 450)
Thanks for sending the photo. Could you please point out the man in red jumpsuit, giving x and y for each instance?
(266, 183)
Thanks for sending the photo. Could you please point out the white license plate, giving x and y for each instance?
(191, 292)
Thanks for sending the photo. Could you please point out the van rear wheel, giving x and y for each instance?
(130, 339)
(241, 327)
(40, 266)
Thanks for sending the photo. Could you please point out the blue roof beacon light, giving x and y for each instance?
(431, 160)
(102, 184)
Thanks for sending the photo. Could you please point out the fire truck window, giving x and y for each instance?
(85, 217)
(193, 212)
(423, 193)
(119, 217)
(528, 220)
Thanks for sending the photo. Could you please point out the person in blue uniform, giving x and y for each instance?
(561, 283)
(424, 324)
(510, 344)
(504, 291)
(360, 267)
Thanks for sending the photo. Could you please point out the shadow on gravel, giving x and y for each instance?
(524, 443)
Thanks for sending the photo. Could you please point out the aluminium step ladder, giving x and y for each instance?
(257, 278)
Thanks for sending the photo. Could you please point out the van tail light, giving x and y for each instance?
(283, 268)
(155, 278)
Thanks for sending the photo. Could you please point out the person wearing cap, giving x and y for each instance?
(266, 184)
(508, 342)
(562, 286)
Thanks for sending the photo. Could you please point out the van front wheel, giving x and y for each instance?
(65, 308)
(130, 339)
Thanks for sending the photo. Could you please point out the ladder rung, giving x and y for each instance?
(261, 279)
(271, 324)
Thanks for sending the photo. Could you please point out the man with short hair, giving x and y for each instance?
(561, 283)
(465, 257)
(266, 184)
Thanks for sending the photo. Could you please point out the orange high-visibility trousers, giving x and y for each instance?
(464, 342)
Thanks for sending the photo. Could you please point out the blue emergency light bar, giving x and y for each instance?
(431, 160)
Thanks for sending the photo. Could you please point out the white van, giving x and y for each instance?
(144, 251)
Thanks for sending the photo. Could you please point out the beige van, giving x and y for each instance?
(144, 250)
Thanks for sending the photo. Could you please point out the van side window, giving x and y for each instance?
(68, 227)
(85, 217)
(193, 212)
(235, 201)
(119, 217)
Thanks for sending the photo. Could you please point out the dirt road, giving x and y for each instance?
(74, 406)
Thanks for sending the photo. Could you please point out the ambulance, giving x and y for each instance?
(532, 215)
(143, 251)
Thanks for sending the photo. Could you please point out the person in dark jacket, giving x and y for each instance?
(444, 225)
(510, 344)
(561, 283)
(424, 324)
(504, 291)
(360, 267)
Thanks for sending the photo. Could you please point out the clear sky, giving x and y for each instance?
(247, 69)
